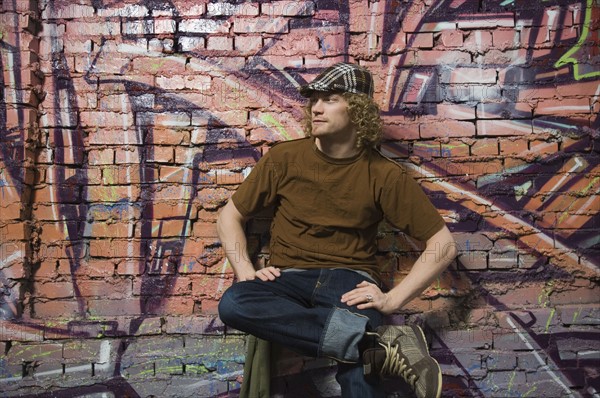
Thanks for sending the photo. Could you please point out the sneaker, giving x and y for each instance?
(403, 352)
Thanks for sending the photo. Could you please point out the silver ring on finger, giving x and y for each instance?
(369, 298)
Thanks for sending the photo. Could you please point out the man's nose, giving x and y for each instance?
(317, 106)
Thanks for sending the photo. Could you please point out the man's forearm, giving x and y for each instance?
(438, 254)
(230, 228)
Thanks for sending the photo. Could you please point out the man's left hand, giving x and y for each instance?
(368, 295)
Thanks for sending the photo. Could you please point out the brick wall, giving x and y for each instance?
(125, 126)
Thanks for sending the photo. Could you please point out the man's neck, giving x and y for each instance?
(337, 149)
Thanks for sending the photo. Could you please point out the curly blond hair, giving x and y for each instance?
(364, 114)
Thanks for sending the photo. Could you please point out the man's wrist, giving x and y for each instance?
(244, 271)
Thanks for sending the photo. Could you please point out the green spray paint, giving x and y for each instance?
(568, 57)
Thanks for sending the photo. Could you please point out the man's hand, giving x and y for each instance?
(268, 274)
(264, 274)
(368, 295)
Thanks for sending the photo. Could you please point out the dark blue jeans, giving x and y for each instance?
(302, 310)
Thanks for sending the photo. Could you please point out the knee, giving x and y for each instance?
(229, 306)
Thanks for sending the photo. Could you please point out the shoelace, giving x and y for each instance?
(395, 365)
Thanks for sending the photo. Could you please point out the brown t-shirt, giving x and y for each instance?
(327, 210)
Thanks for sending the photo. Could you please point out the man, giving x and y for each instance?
(321, 294)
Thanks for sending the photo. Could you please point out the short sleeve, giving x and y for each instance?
(259, 189)
(406, 206)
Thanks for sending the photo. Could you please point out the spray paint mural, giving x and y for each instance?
(126, 125)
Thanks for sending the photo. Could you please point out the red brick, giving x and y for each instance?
(485, 147)
(110, 230)
(170, 228)
(288, 8)
(127, 174)
(170, 119)
(194, 325)
(543, 147)
(46, 270)
(113, 193)
(160, 154)
(172, 174)
(481, 168)
(422, 40)
(53, 290)
(230, 118)
(209, 307)
(98, 268)
(13, 330)
(159, 286)
(173, 305)
(207, 286)
(117, 307)
(127, 155)
(473, 75)
(435, 57)
(587, 88)
(104, 248)
(35, 352)
(486, 21)
(130, 267)
(82, 350)
(260, 25)
(221, 9)
(473, 260)
(204, 230)
(158, 66)
(298, 44)
(563, 107)
(191, 43)
(500, 57)
(63, 267)
(97, 29)
(249, 44)
(447, 128)
(109, 288)
(54, 232)
(101, 157)
(176, 82)
(220, 43)
(454, 111)
(212, 26)
(455, 149)
(68, 11)
(11, 211)
(57, 309)
(403, 131)
(452, 38)
(212, 198)
(582, 295)
(502, 128)
(426, 149)
(17, 118)
(106, 119)
(513, 147)
(61, 250)
(25, 77)
(506, 38)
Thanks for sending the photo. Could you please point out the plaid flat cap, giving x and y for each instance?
(344, 77)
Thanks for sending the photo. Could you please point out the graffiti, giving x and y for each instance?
(570, 57)
(140, 139)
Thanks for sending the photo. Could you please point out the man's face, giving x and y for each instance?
(329, 115)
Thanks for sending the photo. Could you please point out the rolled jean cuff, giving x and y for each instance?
(341, 335)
